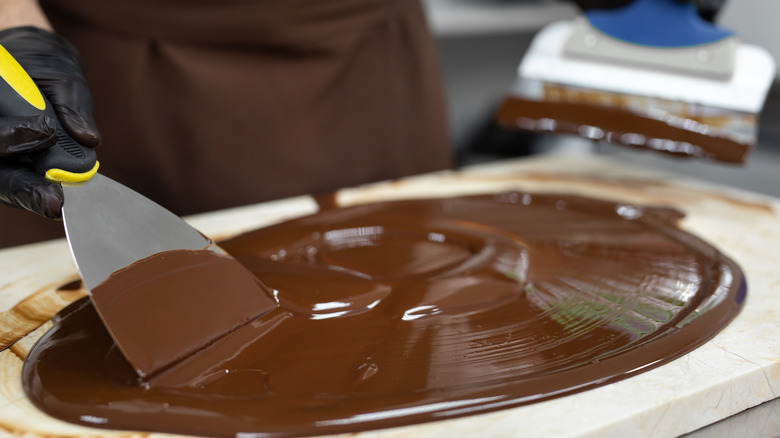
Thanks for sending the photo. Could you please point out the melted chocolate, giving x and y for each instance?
(410, 311)
(677, 134)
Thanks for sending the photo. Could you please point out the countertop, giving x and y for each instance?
(736, 370)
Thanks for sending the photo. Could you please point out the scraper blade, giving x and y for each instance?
(177, 300)
(109, 227)
(183, 293)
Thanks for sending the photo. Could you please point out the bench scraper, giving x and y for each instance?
(694, 88)
(110, 227)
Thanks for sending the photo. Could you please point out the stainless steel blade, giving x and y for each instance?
(110, 226)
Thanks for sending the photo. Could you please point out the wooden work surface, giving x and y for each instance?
(738, 369)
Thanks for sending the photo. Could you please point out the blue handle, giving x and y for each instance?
(657, 23)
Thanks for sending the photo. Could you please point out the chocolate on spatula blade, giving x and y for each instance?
(163, 290)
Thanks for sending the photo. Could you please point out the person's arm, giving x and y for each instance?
(15, 13)
(55, 66)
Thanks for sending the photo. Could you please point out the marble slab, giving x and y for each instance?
(736, 370)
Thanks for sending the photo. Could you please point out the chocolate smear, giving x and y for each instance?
(403, 312)
(685, 131)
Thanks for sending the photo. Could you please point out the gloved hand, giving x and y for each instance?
(55, 66)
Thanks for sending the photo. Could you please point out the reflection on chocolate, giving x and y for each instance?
(409, 311)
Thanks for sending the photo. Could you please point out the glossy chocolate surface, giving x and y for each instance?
(401, 312)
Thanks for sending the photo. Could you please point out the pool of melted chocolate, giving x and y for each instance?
(409, 311)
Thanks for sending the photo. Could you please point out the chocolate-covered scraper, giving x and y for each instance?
(651, 74)
(167, 310)
(155, 321)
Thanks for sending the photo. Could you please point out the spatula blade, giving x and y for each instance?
(181, 291)
(110, 226)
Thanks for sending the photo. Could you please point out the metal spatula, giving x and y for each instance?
(110, 227)
(172, 310)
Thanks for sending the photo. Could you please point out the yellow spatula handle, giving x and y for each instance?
(66, 161)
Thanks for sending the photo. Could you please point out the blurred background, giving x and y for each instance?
(481, 43)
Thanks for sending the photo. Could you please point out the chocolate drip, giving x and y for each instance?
(409, 311)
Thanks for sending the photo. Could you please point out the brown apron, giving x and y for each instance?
(210, 104)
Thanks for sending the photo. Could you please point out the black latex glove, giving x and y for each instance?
(55, 66)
